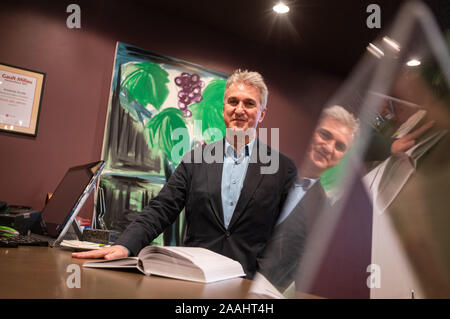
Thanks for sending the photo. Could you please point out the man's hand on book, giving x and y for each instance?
(113, 252)
(409, 140)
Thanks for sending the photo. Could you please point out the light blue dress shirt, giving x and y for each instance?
(233, 175)
(295, 195)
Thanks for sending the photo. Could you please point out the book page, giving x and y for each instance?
(409, 124)
(214, 266)
(181, 261)
(178, 271)
(126, 262)
(422, 147)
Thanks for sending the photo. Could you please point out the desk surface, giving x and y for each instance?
(41, 272)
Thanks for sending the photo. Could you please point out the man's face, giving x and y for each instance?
(331, 140)
(242, 107)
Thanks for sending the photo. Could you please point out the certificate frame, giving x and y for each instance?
(20, 99)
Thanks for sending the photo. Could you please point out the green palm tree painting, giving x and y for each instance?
(154, 98)
(209, 110)
(146, 83)
(160, 131)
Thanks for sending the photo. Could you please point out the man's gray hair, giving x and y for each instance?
(340, 114)
(250, 78)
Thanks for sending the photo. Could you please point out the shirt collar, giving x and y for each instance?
(246, 150)
(312, 181)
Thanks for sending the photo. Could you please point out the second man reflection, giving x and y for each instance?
(333, 137)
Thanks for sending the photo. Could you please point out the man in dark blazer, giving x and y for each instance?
(332, 139)
(232, 198)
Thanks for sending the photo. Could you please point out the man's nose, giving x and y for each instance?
(240, 107)
(328, 146)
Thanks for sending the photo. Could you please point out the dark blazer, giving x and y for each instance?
(287, 244)
(197, 188)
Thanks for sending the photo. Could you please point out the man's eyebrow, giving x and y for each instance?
(328, 134)
(247, 100)
(324, 130)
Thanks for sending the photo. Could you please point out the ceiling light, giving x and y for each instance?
(376, 51)
(413, 62)
(392, 43)
(281, 8)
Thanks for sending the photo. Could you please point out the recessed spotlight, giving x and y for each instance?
(376, 51)
(392, 43)
(281, 8)
(413, 62)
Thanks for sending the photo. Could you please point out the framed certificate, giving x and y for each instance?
(20, 99)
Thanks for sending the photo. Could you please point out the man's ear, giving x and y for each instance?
(263, 113)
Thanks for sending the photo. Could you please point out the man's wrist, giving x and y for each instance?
(128, 251)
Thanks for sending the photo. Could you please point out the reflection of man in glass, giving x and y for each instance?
(410, 193)
(393, 132)
(332, 139)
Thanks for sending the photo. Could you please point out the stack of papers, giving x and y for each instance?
(410, 123)
(81, 245)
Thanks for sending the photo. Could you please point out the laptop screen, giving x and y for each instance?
(69, 196)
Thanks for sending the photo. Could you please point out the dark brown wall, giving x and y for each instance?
(78, 65)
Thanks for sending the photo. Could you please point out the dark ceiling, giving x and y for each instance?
(326, 34)
(329, 35)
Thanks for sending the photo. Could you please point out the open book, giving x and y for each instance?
(186, 263)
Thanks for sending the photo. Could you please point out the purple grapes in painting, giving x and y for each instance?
(191, 91)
